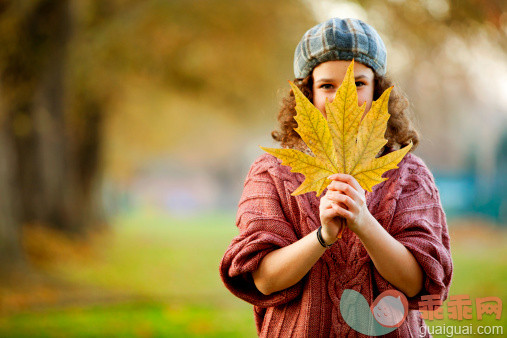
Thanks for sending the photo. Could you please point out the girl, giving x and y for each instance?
(287, 260)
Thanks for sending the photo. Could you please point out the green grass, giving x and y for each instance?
(130, 320)
(163, 273)
(152, 254)
(480, 270)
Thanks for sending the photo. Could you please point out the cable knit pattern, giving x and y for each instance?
(407, 205)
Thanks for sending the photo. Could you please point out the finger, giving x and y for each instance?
(342, 211)
(336, 185)
(347, 179)
(346, 189)
(328, 214)
(333, 198)
(327, 203)
(358, 196)
(344, 202)
(350, 203)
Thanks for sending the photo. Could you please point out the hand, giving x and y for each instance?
(332, 223)
(348, 200)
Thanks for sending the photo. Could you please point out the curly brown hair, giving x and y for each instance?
(399, 133)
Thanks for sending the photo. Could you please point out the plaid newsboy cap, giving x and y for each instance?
(340, 39)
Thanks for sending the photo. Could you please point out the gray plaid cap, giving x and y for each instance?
(340, 39)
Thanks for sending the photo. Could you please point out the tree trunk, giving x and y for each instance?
(12, 259)
(47, 174)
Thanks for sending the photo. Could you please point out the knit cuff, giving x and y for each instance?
(242, 258)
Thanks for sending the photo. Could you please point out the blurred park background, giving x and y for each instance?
(127, 129)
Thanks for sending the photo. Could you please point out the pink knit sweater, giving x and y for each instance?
(407, 205)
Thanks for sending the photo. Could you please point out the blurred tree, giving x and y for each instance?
(425, 23)
(48, 172)
(66, 66)
(34, 36)
(448, 56)
(82, 83)
(183, 73)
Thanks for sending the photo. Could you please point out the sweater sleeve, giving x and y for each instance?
(263, 228)
(419, 223)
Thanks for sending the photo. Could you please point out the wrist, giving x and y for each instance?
(366, 227)
(325, 237)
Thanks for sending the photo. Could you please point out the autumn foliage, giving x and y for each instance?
(345, 142)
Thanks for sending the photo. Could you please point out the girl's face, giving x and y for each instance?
(328, 76)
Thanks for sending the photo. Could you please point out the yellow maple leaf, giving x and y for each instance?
(345, 142)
